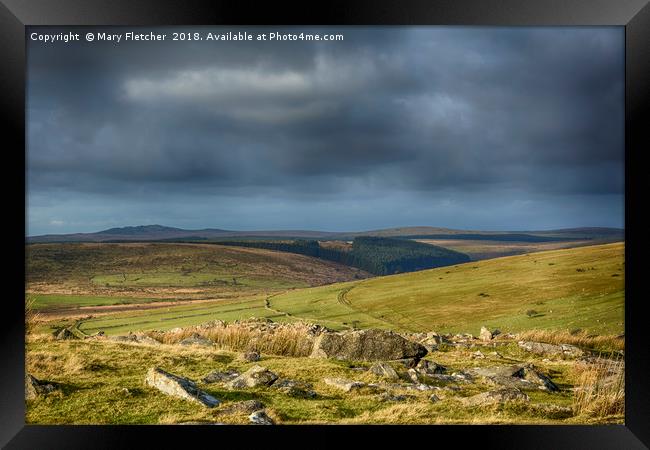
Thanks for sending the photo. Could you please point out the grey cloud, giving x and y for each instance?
(414, 111)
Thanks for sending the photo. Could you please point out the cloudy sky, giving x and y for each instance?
(472, 128)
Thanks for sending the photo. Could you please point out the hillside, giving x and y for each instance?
(567, 289)
(100, 273)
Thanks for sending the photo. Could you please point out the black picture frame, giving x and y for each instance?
(15, 15)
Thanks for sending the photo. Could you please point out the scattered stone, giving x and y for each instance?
(366, 345)
(390, 397)
(343, 384)
(497, 396)
(384, 370)
(220, 377)
(260, 418)
(541, 348)
(485, 335)
(293, 388)
(176, 386)
(251, 356)
(65, 334)
(434, 398)
(196, 339)
(478, 355)
(409, 363)
(135, 338)
(35, 387)
(253, 377)
(243, 407)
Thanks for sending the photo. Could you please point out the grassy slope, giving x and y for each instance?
(574, 288)
(93, 274)
(443, 299)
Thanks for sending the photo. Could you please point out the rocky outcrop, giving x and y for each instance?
(541, 348)
(35, 387)
(502, 395)
(517, 376)
(366, 345)
(253, 377)
(180, 387)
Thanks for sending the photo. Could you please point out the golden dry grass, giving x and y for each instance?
(287, 340)
(600, 389)
(578, 338)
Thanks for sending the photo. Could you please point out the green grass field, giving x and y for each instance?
(561, 289)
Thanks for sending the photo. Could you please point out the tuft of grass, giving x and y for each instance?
(603, 343)
(600, 389)
(32, 317)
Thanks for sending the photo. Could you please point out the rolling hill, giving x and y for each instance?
(556, 290)
(159, 232)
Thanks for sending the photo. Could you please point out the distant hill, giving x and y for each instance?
(159, 232)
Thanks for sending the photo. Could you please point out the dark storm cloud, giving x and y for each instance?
(527, 115)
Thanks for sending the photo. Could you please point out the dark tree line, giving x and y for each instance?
(377, 255)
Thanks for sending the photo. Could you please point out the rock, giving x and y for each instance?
(196, 339)
(429, 367)
(35, 387)
(220, 377)
(497, 396)
(253, 377)
(478, 355)
(243, 407)
(366, 345)
(434, 398)
(343, 384)
(409, 363)
(485, 335)
(65, 334)
(176, 386)
(541, 348)
(517, 376)
(294, 388)
(260, 418)
(384, 370)
(390, 397)
(135, 338)
(251, 356)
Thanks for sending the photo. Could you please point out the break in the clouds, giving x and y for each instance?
(463, 127)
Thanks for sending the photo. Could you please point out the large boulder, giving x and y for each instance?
(366, 345)
(176, 386)
(541, 348)
(253, 377)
